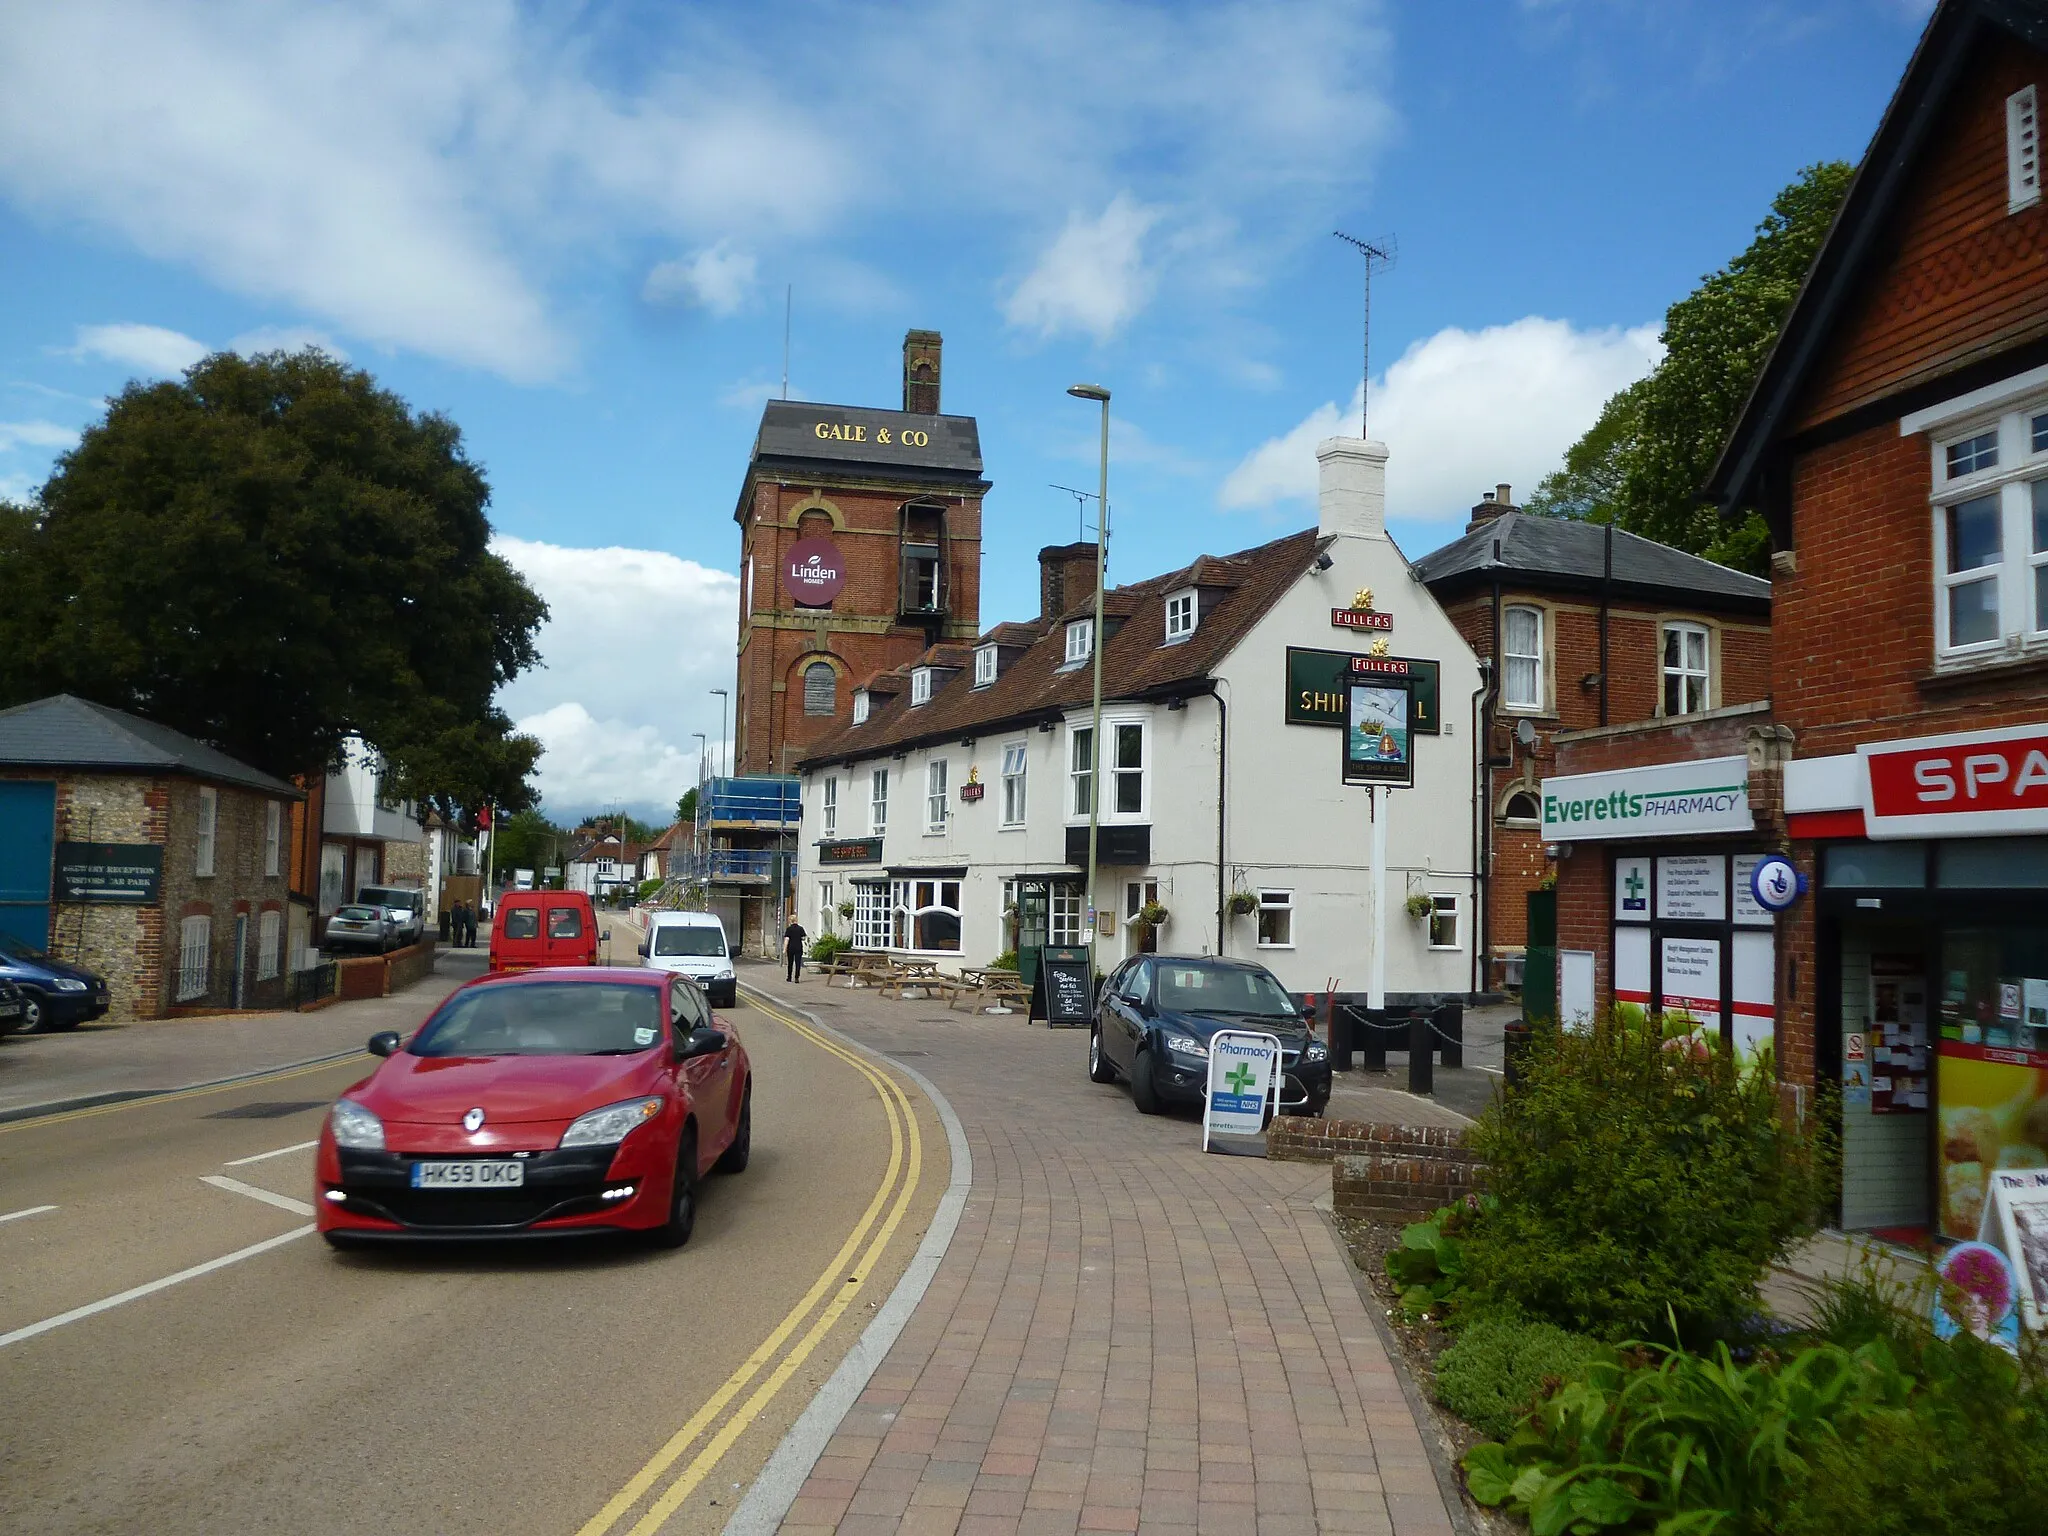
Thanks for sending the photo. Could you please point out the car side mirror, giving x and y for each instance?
(643, 951)
(384, 1043)
(702, 1041)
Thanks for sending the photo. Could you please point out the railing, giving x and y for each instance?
(763, 800)
(311, 984)
(730, 864)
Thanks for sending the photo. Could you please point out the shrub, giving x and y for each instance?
(1429, 1265)
(1006, 961)
(1501, 1366)
(826, 945)
(650, 888)
(1635, 1182)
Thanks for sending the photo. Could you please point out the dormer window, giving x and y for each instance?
(920, 686)
(860, 707)
(1181, 613)
(984, 666)
(1080, 641)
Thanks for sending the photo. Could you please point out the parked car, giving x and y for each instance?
(361, 929)
(406, 908)
(694, 944)
(13, 1008)
(536, 928)
(58, 995)
(546, 1103)
(1156, 1013)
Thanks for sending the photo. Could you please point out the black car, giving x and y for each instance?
(59, 995)
(1156, 1013)
(13, 1008)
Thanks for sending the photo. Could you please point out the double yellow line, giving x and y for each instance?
(843, 1279)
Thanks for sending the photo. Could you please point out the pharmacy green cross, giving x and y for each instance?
(1633, 884)
(1239, 1077)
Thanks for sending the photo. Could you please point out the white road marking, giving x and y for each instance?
(138, 1292)
(237, 1187)
(297, 1146)
(33, 1210)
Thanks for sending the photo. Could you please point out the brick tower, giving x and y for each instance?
(860, 545)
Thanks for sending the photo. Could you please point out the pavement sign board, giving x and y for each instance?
(1244, 1076)
(1064, 995)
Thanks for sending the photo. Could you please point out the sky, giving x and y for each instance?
(573, 229)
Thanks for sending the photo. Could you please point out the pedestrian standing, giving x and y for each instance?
(793, 949)
(468, 926)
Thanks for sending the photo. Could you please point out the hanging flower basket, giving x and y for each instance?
(1420, 906)
(1152, 912)
(846, 909)
(1243, 903)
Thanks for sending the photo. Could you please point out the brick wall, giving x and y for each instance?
(238, 886)
(1403, 1172)
(123, 943)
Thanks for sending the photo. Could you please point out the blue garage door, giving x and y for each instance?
(28, 825)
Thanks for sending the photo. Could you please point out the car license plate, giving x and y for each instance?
(472, 1175)
(11, 1010)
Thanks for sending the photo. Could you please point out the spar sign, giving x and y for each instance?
(1971, 783)
(1244, 1076)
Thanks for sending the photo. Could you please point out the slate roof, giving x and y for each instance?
(63, 731)
(788, 444)
(1564, 554)
(1136, 663)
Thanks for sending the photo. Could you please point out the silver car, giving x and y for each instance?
(365, 929)
(404, 906)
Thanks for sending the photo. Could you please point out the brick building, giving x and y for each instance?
(860, 546)
(1897, 444)
(1587, 627)
(155, 861)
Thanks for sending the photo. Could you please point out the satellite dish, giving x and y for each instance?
(1525, 732)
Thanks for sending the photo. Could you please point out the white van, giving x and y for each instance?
(693, 943)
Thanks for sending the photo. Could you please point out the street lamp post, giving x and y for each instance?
(703, 758)
(1097, 393)
(724, 699)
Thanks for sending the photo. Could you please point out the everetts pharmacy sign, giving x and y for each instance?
(1664, 800)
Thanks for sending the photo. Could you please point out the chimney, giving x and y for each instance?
(921, 372)
(1351, 500)
(1492, 504)
(1066, 574)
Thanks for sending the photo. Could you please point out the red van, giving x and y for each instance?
(536, 928)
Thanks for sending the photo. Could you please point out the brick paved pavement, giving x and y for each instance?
(1125, 1335)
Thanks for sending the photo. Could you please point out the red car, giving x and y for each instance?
(539, 1103)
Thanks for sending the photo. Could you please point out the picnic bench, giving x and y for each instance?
(984, 985)
(904, 974)
(858, 966)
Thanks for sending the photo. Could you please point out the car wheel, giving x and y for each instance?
(32, 1014)
(42, 1019)
(1099, 1069)
(682, 1200)
(1144, 1092)
(734, 1158)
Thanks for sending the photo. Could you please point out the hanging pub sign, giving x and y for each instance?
(1378, 736)
(973, 789)
(1361, 614)
(850, 850)
(109, 872)
(1316, 681)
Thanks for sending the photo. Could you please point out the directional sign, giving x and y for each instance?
(1244, 1077)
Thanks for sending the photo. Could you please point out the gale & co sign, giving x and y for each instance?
(1966, 784)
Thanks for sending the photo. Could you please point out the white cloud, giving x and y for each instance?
(718, 279)
(36, 434)
(286, 338)
(1092, 278)
(1460, 411)
(634, 641)
(149, 349)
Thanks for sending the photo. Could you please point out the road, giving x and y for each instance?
(585, 1390)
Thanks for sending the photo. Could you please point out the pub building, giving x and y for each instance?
(1896, 445)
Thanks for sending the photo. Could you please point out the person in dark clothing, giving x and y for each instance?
(468, 926)
(459, 923)
(793, 949)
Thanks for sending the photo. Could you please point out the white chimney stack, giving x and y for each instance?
(1351, 498)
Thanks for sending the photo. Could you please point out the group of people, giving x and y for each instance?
(462, 925)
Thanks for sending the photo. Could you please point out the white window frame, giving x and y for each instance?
(1183, 613)
(269, 944)
(1684, 674)
(828, 806)
(920, 686)
(936, 806)
(860, 706)
(1080, 781)
(1115, 776)
(1080, 642)
(1016, 774)
(2009, 481)
(195, 958)
(2022, 150)
(828, 909)
(916, 897)
(1279, 902)
(1531, 706)
(871, 914)
(208, 832)
(1064, 916)
(273, 839)
(1508, 799)
(878, 801)
(984, 666)
(1444, 906)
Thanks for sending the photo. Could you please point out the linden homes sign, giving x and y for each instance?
(1663, 800)
(813, 572)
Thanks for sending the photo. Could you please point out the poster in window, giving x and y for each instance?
(1377, 740)
(1693, 887)
(2020, 1209)
(1897, 1036)
(1692, 981)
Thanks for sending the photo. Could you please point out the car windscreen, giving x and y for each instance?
(1220, 989)
(360, 914)
(16, 949)
(544, 1019)
(689, 939)
(521, 923)
(388, 896)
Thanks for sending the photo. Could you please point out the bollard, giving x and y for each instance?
(1343, 1037)
(1514, 1044)
(1420, 1057)
(1372, 1041)
(1449, 1020)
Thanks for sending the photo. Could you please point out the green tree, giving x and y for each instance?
(528, 840)
(270, 554)
(1643, 462)
(686, 808)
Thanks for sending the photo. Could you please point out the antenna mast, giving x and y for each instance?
(1381, 253)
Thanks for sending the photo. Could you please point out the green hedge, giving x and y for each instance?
(1501, 1367)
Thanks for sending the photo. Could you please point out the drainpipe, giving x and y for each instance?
(1606, 600)
(1482, 827)
(1210, 690)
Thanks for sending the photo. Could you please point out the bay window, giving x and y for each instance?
(926, 915)
(870, 915)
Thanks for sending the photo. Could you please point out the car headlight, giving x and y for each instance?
(67, 984)
(355, 1127)
(609, 1126)
(1187, 1045)
(1315, 1050)
(724, 975)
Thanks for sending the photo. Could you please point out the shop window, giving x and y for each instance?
(1066, 915)
(1992, 863)
(870, 915)
(1443, 922)
(1879, 866)
(209, 818)
(878, 801)
(927, 915)
(1180, 616)
(1080, 770)
(1015, 758)
(828, 806)
(269, 944)
(1276, 919)
(273, 837)
(195, 958)
(935, 795)
(821, 689)
(1080, 642)
(1685, 669)
(984, 666)
(1522, 651)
